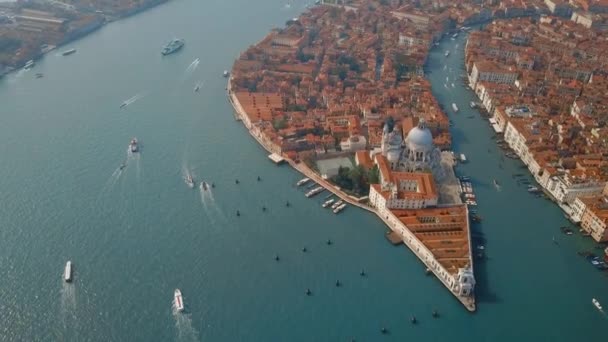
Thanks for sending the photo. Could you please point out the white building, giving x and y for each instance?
(353, 143)
(490, 72)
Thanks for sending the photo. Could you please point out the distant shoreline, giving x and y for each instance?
(85, 31)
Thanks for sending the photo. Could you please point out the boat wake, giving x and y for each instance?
(190, 69)
(132, 100)
(68, 306)
(183, 325)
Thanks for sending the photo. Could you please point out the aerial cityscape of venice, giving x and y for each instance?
(332, 170)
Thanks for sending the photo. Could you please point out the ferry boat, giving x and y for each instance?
(226, 73)
(454, 107)
(172, 47)
(189, 181)
(447, 53)
(340, 208)
(133, 146)
(30, 64)
(67, 272)
(302, 181)
(337, 204)
(327, 203)
(178, 302)
(315, 191)
(597, 304)
(68, 52)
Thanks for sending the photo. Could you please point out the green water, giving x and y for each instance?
(136, 234)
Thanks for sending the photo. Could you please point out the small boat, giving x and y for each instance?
(473, 104)
(532, 189)
(463, 158)
(122, 166)
(178, 301)
(67, 272)
(189, 181)
(302, 181)
(68, 52)
(597, 304)
(340, 208)
(337, 204)
(124, 104)
(226, 73)
(454, 107)
(327, 203)
(453, 85)
(30, 64)
(315, 191)
(133, 146)
(447, 53)
(39, 75)
(496, 183)
(204, 186)
(197, 87)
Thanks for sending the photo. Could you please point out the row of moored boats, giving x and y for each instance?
(336, 207)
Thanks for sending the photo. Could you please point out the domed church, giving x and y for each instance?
(415, 153)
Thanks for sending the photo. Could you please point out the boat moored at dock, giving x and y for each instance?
(67, 272)
(68, 52)
(340, 208)
(597, 304)
(178, 301)
(302, 181)
(328, 203)
(315, 191)
(337, 204)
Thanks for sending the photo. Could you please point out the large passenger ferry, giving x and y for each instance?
(172, 47)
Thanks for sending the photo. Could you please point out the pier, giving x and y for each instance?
(277, 159)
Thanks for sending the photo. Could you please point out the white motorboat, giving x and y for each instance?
(178, 302)
(302, 181)
(597, 304)
(454, 107)
(337, 204)
(340, 208)
(67, 272)
(447, 53)
(189, 181)
(133, 145)
(328, 203)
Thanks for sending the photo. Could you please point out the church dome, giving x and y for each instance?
(420, 136)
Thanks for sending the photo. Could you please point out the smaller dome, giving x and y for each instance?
(393, 156)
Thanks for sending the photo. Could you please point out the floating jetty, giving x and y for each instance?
(277, 159)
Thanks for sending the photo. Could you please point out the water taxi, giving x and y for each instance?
(302, 181)
(189, 181)
(315, 191)
(67, 272)
(133, 145)
(337, 204)
(327, 203)
(340, 208)
(178, 301)
(597, 304)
